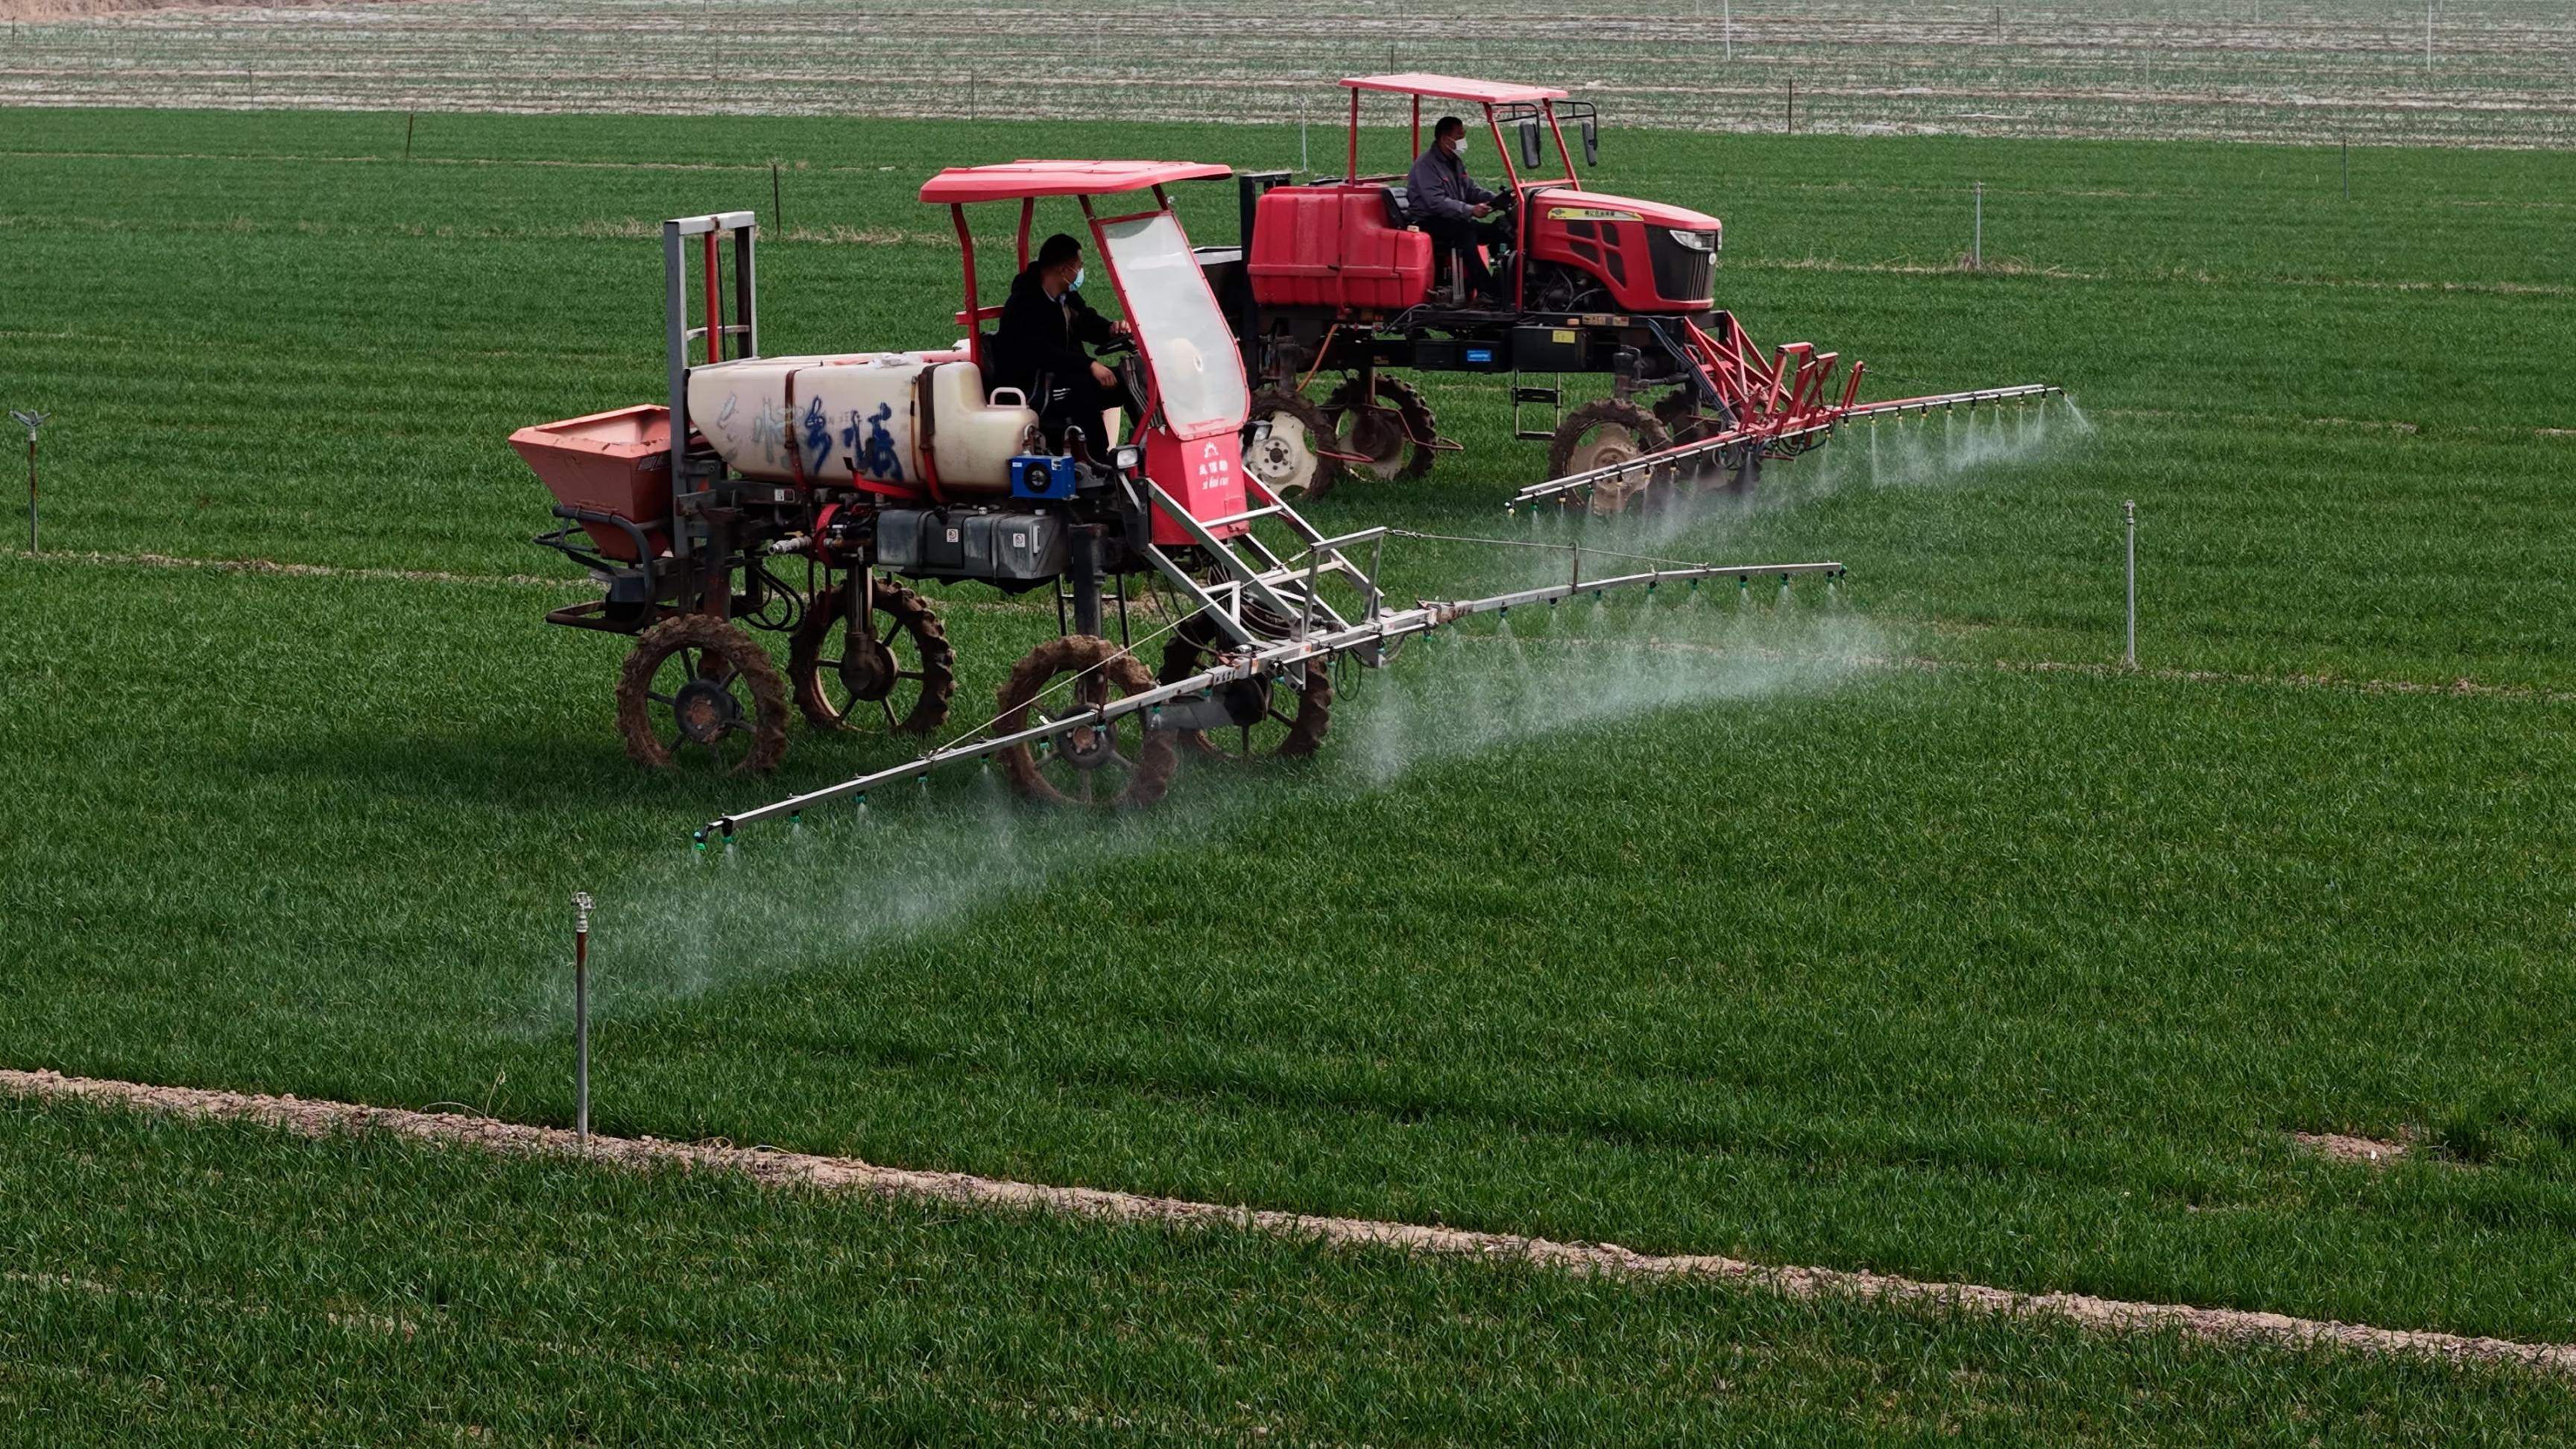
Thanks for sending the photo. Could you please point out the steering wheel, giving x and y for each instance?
(1115, 346)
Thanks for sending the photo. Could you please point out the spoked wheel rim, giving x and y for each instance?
(1286, 461)
(1281, 720)
(1125, 762)
(1291, 462)
(697, 691)
(1602, 434)
(898, 670)
(1609, 444)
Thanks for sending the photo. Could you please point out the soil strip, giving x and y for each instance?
(844, 1174)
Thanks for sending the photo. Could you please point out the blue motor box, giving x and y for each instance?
(1034, 475)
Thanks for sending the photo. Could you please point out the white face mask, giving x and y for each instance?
(1076, 283)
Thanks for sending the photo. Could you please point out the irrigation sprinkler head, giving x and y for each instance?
(581, 912)
(30, 421)
(697, 840)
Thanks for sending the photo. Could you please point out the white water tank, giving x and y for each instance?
(856, 416)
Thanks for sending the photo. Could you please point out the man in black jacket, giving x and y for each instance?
(1037, 345)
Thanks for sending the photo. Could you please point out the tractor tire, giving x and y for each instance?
(1288, 462)
(1283, 735)
(1601, 433)
(1106, 669)
(721, 668)
(827, 695)
(1409, 455)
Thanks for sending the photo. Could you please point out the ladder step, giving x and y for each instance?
(1534, 435)
(1552, 396)
(1249, 514)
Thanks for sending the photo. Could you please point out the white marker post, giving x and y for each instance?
(31, 421)
(581, 1016)
(1977, 236)
(2129, 656)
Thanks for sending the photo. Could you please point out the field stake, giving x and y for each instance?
(1791, 128)
(2347, 170)
(1977, 232)
(581, 1017)
(777, 203)
(31, 421)
(410, 119)
(2129, 655)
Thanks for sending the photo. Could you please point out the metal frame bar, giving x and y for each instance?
(1247, 663)
(1772, 433)
(677, 334)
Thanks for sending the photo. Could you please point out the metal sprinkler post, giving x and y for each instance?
(581, 1016)
(31, 421)
(1977, 231)
(2129, 656)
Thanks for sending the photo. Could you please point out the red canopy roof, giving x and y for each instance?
(1454, 88)
(1011, 180)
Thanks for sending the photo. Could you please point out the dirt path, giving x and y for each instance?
(843, 1174)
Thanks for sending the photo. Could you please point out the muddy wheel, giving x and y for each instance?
(1283, 721)
(1123, 763)
(899, 666)
(1289, 462)
(1393, 432)
(1599, 434)
(698, 688)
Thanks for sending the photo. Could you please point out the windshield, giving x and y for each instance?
(1184, 337)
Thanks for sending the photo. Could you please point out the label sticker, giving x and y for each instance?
(1561, 335)
(1590, 213)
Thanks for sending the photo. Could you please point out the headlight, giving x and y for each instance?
(1698, 241)
(1127, 460)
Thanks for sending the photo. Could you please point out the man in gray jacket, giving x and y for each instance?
(1449, 206)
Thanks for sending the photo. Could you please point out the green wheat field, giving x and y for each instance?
(1897, 928)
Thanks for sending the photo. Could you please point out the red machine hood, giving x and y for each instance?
(1653, 213)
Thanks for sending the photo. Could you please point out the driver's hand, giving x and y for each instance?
(1101, 374)
(1481, 208)
(1119, 328)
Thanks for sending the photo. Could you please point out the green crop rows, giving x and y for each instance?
(1893, 930)
(202, 1285)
